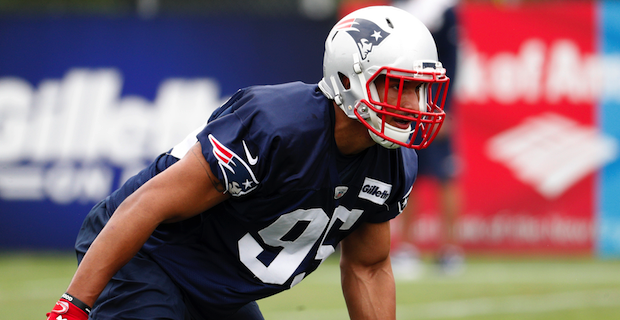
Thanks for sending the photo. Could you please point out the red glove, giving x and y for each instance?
(69, 308)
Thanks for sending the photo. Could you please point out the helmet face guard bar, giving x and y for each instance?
(425, 122)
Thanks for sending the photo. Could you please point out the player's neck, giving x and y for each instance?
(351, 136)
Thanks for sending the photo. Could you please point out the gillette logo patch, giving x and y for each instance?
(375, 191)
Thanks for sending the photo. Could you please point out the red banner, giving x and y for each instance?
(525, 129)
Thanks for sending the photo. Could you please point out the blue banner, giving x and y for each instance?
(608, 244)
(85, 102)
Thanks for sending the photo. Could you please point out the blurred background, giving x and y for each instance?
(92, 90)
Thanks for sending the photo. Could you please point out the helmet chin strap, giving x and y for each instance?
(382, 142)
(402, 135)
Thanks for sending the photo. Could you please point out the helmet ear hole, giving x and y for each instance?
(346, 83)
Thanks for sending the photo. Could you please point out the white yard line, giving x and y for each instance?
(480, 306)
(502, 273)
(511, 304)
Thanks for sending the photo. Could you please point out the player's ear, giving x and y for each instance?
(346, 83)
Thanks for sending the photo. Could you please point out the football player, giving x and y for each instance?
(254, 201)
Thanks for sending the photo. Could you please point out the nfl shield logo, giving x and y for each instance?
(340, 191)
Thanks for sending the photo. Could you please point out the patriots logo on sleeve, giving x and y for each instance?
(239, 178)
(366, 34)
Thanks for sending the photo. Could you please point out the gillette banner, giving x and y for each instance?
(85, 102)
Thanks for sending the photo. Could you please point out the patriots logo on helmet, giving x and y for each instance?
(239, 179)
(366, 34)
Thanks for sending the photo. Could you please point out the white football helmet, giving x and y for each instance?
(384, 40)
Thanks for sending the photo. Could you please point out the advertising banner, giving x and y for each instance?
(536, 131)
(85, 102)
(529, 88)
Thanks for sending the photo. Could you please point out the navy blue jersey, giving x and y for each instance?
(293, 196)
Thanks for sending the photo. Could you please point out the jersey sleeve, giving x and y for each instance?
(407, 171)
(229, 147)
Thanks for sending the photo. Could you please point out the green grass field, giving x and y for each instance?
(490, 288)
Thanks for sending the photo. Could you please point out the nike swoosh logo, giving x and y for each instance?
(251, 160)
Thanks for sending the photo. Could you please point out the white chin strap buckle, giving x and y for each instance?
(338, 100)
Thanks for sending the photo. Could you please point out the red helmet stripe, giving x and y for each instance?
(222, 153)
(344, 24)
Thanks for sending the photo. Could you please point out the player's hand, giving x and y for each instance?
(69, 308)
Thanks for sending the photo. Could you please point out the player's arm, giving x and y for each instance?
(366, 273)
(185, 189)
